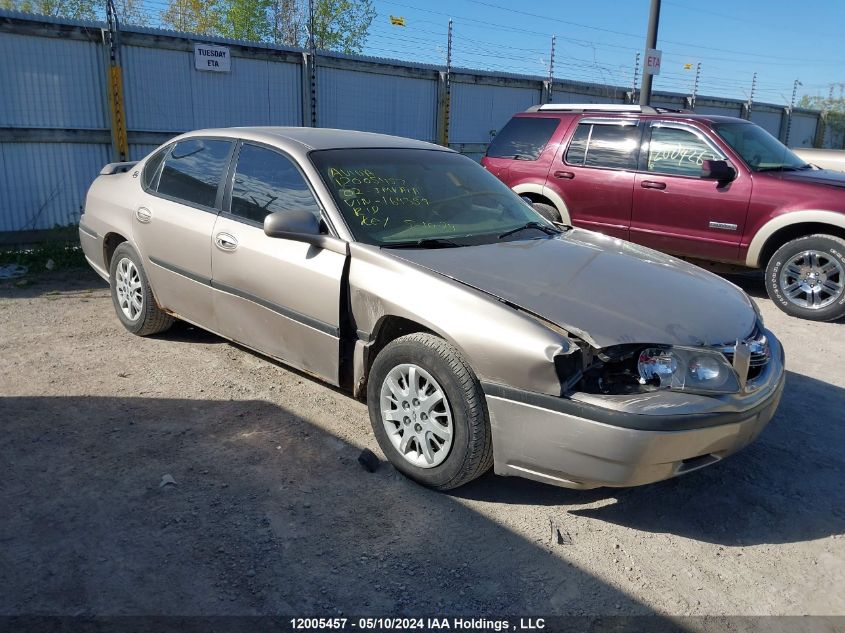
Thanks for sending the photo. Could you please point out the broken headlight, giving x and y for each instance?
(686, 369)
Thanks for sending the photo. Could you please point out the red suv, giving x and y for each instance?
(717, 190)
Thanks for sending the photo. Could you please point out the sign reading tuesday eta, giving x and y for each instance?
(214, 58)
(652, 61)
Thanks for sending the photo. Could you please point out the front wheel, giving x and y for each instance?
(806, 277)
(547, 211)
(428, 412)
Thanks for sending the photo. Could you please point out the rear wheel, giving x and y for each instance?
(428, 412)
(132, 296)
(806, 277)
(547, 211)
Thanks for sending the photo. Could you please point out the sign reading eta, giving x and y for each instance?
(214, 58)
(652, 61)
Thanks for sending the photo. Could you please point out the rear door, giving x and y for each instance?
(595, 174)
(173, 224)
(677, 211)
(277, 296)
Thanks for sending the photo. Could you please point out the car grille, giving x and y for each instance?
(760, 354)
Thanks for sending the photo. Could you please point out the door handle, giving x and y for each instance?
(568, 175)
(652, 184)
(143, 215)
(226, 242)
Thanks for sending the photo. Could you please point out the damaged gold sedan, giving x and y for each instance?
(480, 333)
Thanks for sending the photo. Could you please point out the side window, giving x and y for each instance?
(151, 168)
(604, 145)
(678, 152)
(267, 182)
(523, 138)
(193, 170)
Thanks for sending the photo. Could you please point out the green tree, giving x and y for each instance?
(132, 12)
(342, 25)
(246, 20)
(833, 107)
(75, 9)
(192, 16)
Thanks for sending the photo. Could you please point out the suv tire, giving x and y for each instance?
(547, 211)
(132, 296)
(806, 277)
(403, 421)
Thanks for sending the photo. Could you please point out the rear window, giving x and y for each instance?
(523, 138)
(193, 171)
(604, 145)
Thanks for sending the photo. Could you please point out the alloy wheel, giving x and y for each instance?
(130, 295)
(812, 279)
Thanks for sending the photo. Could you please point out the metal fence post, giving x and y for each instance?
(117, 113)
(309, 91)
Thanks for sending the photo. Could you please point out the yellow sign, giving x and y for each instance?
(687, 66)
(397, 21)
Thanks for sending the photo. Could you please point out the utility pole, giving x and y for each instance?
(445, 94)
(111, 38)
(650, 43)
(312, 67)
(750, 102)
(636, 78)
(795, 85)
(552, 61)
(695, 86)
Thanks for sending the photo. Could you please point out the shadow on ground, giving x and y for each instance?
(268, 514)
(786, 487)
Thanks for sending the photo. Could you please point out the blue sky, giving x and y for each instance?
(597, 40)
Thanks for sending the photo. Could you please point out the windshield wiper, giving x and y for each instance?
(548, 230)
(428, 242)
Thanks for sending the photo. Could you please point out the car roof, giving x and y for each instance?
(679, 116)
(311, 138)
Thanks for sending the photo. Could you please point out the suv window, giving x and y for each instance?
(678, 152)
(522, 138)
(267, 182)
(193, 170)
(151, 168)
(611, 145)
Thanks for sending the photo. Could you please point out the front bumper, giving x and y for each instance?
(576, 445)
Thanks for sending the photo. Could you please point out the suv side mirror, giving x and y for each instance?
(719, 170)
(297, 224)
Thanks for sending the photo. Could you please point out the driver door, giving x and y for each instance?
(277, 296)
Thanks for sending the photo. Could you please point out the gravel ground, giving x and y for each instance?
(271, 513)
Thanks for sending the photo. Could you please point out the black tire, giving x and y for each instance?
(471, 452)
(150, 319)
(831, 247)
(547, 211)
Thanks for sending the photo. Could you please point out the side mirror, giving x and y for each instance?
(719, 170)
(297, 224)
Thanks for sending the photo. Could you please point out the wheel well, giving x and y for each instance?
(794, 231)
(110, 242)
(390, 328)
(536, 197)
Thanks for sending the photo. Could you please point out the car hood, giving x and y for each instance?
(816, 177)
(605, 290)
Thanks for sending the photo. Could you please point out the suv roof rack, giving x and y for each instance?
(592, 107)
(603, 107)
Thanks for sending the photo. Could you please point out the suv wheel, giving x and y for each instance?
(428, 412)
(547, 211)
(806, 277)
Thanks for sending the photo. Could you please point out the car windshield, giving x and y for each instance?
(759, 149)
(427, 198)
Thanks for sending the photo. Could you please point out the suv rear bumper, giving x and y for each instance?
(577, 451)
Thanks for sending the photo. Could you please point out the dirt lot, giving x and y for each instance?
(271, 513)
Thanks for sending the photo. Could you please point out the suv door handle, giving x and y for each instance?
(143, 215)
(226, 242)
(564, 174)
(652, 184)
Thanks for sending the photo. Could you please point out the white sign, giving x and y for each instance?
(214, 58)
(652, 61)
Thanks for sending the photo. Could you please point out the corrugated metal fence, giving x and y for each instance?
(55, 126)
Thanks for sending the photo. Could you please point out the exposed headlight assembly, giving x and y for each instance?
(687, 369)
